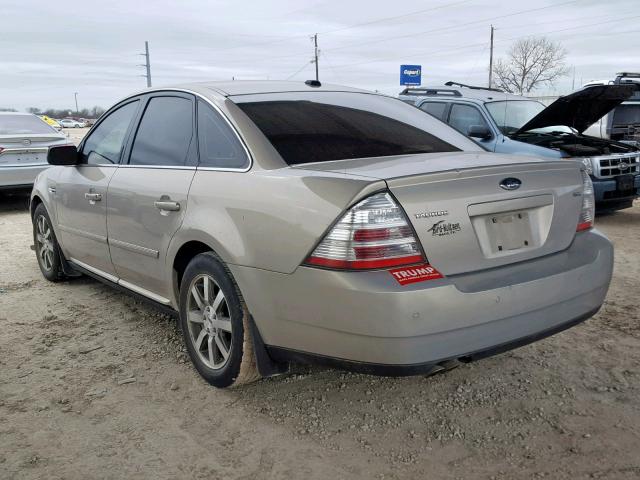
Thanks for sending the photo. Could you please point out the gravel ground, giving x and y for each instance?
(94, 384)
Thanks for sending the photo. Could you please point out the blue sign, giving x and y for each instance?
(410, 74)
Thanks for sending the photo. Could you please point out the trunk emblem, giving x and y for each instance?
(510, 183)
(26, 142)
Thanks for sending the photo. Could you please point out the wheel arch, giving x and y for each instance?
(187, 250)
(183, 255)
(33, 204)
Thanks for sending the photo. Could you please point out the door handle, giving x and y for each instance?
(93, 197)
(167, 205)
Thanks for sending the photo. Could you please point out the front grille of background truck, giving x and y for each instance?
(609, 166)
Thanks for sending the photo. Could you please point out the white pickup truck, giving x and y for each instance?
(623, 122)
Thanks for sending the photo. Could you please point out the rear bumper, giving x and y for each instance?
(605, 191)
(20, 177)
(368, 318)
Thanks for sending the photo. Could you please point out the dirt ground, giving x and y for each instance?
(94, 384)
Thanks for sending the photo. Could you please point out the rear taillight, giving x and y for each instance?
(374, 233)
(587, 213)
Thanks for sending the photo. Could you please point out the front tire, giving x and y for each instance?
(47, 248)
(214, 323)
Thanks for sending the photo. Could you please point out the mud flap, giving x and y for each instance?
(267, 367)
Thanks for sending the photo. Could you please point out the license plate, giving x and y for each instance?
(509, 231)
(625, 182)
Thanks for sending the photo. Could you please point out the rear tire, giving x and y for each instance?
(46, 244)
(215, 324)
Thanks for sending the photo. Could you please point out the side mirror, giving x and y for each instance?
(479, 131)
(63, 155)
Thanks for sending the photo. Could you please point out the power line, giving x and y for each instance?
(484, 20)
(386, 19)
(297, 71)
(433, 52)
(357, 25)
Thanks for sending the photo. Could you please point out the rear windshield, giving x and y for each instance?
(304, 131)
(23, 125)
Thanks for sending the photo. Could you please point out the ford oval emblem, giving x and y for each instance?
(510, 183)
(622, 166)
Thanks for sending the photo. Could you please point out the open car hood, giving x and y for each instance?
(581, 109)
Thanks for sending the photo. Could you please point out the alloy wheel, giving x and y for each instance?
(45, 246)
(209, 321)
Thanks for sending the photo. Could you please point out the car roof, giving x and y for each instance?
(253, 87)
(448, 92)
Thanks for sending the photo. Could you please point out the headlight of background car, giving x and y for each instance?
(588, 165)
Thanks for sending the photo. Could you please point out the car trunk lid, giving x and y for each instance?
(465, 220)
(26, 149)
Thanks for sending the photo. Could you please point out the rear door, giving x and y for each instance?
(147, 196)
(81, 191)
(435, 109)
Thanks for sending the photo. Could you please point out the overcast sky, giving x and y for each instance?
(51, 49)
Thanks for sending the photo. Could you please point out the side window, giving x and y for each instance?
(436, 109)
(165, 133)
(217, 143)
(104, 145)
(463, 116)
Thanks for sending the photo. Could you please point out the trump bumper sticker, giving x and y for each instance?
(417, 273)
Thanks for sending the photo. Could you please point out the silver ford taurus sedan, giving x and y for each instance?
(290, 222)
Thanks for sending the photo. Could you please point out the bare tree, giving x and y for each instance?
(530, 63)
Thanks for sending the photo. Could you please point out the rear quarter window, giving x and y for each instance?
(304, 131)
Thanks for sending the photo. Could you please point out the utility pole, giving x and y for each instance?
(147, 63)
(315, 60)
(75, 94)
(491, 59)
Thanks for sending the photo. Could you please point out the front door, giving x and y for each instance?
(147, 195)
(463, 116)
(81, 192)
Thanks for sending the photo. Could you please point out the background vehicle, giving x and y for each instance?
(289, 221)
(506, 123)
(24, 142)
(623, 122)
(70, 123)
(51, 122)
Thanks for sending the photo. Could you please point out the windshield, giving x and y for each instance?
(511, 115)
(23, 125)
(324, 126)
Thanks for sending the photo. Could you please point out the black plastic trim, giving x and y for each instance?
(280, 354)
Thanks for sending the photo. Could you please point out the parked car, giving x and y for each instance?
(70, 123)
(51, 122)
(290, 221)
(506, 123)
(24, 142)
(623, 122)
